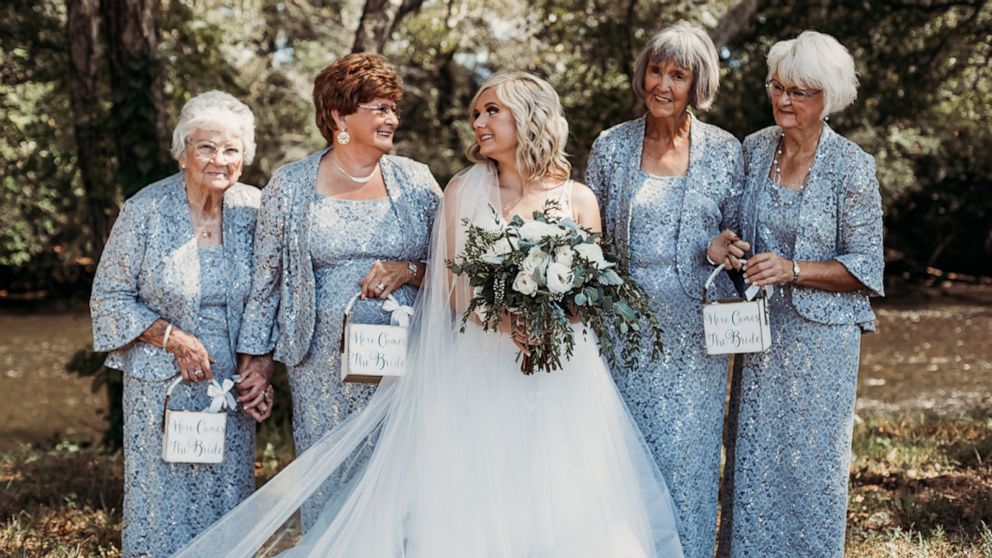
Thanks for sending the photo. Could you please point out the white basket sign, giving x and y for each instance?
(196, 436)
(370, 352)
(737, 325)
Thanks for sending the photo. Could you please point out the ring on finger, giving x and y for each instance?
(380, 286)
(198, 373)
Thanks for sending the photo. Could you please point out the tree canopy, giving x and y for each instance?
(89, 90)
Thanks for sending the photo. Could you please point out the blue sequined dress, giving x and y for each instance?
(167, 504)
(677, 401)
(346, 237)
(793, 445)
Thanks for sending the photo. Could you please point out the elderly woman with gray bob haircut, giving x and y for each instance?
(812, 211)
(667, 183)
(167, 300)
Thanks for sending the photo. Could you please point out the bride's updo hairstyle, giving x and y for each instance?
(542, 130)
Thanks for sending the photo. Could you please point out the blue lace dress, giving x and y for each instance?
(167, 504)
(346, 237)
(793, 445)
(677, 401)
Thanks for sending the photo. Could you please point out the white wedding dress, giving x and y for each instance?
(474, 459)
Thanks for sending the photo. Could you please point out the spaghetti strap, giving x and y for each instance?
(565, 199)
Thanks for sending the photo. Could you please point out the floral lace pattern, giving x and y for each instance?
(796, 400)
(677, 401)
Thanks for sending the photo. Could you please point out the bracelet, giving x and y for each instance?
(413, 269)
(165, 338)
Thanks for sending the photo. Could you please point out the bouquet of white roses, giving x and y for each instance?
(542, 273)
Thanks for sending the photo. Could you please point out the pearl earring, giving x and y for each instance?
(344, 138)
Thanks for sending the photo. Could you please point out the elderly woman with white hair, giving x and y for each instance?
(667, 183)
(167, 300)
(812, 210)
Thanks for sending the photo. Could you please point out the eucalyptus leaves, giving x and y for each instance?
(542, 275)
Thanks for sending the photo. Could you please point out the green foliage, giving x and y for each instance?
(87, 363)
(39, 190)
(922, 108)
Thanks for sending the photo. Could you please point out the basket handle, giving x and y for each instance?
(347, 314)
(711, 279)
(168, 394)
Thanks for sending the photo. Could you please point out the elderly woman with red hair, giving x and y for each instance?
(347, 219)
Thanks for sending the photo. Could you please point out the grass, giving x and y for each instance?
(921, 487)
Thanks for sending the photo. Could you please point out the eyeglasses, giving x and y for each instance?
(776, 89)
(208, 150)
(384, 110)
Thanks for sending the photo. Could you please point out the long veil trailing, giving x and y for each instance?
(473, 458)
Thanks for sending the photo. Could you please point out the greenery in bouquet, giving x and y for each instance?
(543, 274)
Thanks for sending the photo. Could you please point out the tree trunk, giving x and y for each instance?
(724, 536)
(379, 20)
(738, 17)
(82, 34)
(139, 117)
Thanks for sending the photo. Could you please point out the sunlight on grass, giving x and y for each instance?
(921, 487)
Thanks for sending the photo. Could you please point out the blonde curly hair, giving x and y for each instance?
(542, 130)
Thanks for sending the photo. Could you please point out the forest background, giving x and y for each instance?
(90, 89)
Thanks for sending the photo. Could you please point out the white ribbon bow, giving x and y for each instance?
(220, 396)
(400, 313)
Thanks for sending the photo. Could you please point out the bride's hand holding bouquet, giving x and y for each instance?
(532, 278)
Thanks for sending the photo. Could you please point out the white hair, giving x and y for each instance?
(690, 47)
(817, 61)
(210, 110)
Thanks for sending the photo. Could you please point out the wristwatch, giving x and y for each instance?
(413, 268)
(795, 271)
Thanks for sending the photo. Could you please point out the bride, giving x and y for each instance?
(475, 459)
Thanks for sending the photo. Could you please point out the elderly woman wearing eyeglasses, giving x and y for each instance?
(347, 219)
(167, 299)
(812, 211)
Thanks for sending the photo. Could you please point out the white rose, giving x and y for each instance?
(559, 278)
(525, 284)
(564, 255)
(593, 254)
(499, 251)
(536, 260)
(534, 231)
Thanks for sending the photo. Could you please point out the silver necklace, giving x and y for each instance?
(355, 179)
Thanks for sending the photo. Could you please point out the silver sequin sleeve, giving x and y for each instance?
(860, 225)
(259, 330)
(119, 315)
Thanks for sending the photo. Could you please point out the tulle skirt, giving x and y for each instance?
(486, 462)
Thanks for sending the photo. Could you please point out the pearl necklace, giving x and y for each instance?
(355, 179)
(777, 163)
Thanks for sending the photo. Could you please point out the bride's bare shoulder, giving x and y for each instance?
(582, 193)
(585, 206)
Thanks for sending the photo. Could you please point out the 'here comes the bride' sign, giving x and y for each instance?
(373, 351)
(736, 327)
(194, 437)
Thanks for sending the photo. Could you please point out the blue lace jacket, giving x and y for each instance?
(840, 219)
(150, 269)
(709, 205)
(281, 310)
